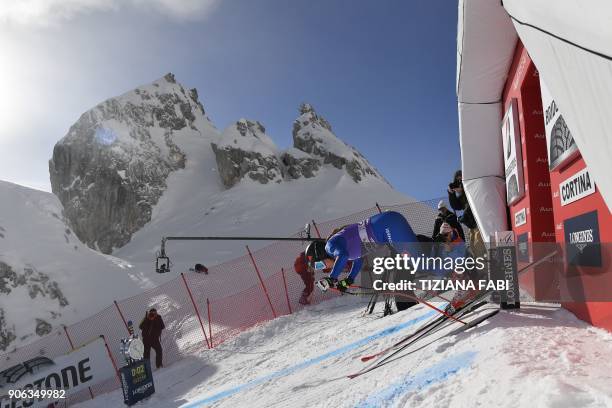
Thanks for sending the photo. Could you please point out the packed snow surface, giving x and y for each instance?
(538, 356)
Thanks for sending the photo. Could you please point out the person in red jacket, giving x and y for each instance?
(302, 268)
(307, 273)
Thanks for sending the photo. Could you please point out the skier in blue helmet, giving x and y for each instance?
(353, 242)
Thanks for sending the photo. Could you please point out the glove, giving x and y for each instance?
(326, 283)
(344, 284)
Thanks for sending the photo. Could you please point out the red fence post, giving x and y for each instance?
(378, 207)
(121, 314)
(110, 355)
(286, 291)
(314, 224)
(72, 347)
(209, 324)
(196, 309)
(261, 281)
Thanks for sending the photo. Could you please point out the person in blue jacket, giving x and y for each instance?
(353, 242)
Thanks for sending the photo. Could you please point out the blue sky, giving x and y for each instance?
(382, 72)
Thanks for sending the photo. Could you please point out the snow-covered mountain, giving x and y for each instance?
(115, 163)
(111, 168)
(148, 164)
(48, 276)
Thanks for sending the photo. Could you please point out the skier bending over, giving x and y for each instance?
(353, 242)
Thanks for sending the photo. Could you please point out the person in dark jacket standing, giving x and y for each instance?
(459, 202)
(151, 328)
(449, 217)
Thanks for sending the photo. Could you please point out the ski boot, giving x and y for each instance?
(305, 298)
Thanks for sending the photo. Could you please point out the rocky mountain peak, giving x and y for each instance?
(245, 126)
(111, 168)
(244, 150)
(308, 116)
(313, 134)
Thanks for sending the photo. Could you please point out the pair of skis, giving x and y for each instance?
(385, 356)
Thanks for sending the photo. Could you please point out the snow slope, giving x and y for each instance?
(539, 356)
(47, 273)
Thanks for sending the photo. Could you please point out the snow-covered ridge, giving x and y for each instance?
(47, 276)
(245, 150)
(247, 135)
(313, 134)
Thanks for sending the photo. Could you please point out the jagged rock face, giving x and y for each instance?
(299, 164)
(244, 150)
(7, 335)
(111, 167)
(37, 285)
(313, 134)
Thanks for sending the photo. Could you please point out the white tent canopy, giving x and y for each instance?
(485, 45)
(571, 45)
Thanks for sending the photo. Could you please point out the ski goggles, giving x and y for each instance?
(319, 265)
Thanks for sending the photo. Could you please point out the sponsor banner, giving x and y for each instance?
(513, 158)
(137, 381)
(81, 368)
(506, 268)
(576, 187)
(582, 243)
(523, 247)
(520, 217)
(559, 140)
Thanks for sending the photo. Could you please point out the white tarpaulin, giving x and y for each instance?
(485, 46)
(570, 42)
